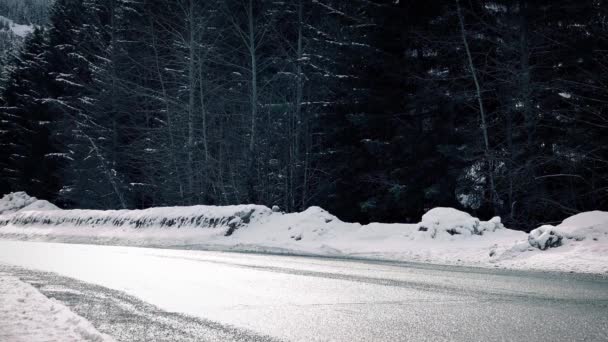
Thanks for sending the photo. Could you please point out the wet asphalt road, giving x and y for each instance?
(137, 294)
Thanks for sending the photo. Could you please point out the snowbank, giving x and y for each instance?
(590, 225)
(20, 201)
(44, 214)
(444, 235)
(587, 226)
(27, 315)
(578, 244)
(455, 222)
(14, 202)
(40, 205)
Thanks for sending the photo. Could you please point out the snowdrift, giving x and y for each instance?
(20, 201)
(18, 210)
(229, 218)
(444, 235)
(456, 222)
(591, 225)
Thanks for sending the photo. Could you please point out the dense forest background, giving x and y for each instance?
(375, 110)
(22, 12)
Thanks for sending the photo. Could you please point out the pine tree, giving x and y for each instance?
(29, 153)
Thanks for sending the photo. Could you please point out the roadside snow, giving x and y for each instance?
(26, 315)
(315, 231)
(228, 217)
(40, 205)
(444, 235)
(582, 229)
(456, 222)
(578, 244)
(14, 202)
(20, 201)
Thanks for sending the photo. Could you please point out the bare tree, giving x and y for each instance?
(484, 125)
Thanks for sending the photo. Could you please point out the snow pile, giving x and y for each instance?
(27, 315)
(545, 237)
(20, 201)
(40, 205)
(228, 218)
(14, 202)
(310, 231)
(444, 235)
(457, 237)
(455, 222)
(578, 244)
(591, 225)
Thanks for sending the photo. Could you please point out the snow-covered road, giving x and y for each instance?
(316, 299)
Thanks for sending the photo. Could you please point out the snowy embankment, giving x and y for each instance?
(27, 315)
(444, 235)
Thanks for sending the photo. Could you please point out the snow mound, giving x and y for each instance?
(14, 202)
(587, 226)
(591, 224)
(440, 221)
(228, 218)
(444, 235)
(578, 244)
(40, 205)
(309, 227)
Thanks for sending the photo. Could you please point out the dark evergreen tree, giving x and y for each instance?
(28, 160)
(375, 110)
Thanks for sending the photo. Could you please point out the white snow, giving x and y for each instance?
(544, 237)
(455, 222)
(444, 235)
(167, 217)
(40, 205)
(580, 240)
(26, 315)
(15, 201)
(585, 228)
(17, 29)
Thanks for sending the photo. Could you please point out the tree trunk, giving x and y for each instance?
(191, 99)
(484, 125)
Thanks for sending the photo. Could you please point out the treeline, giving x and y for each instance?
(26, 12)
(375, 110)
(9, 43)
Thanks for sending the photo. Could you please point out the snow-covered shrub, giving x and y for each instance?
(591, 225)
(494, 224)
(456, 222)
(14, 202)
(545, 237)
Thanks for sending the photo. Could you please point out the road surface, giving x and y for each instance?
(160, 294)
